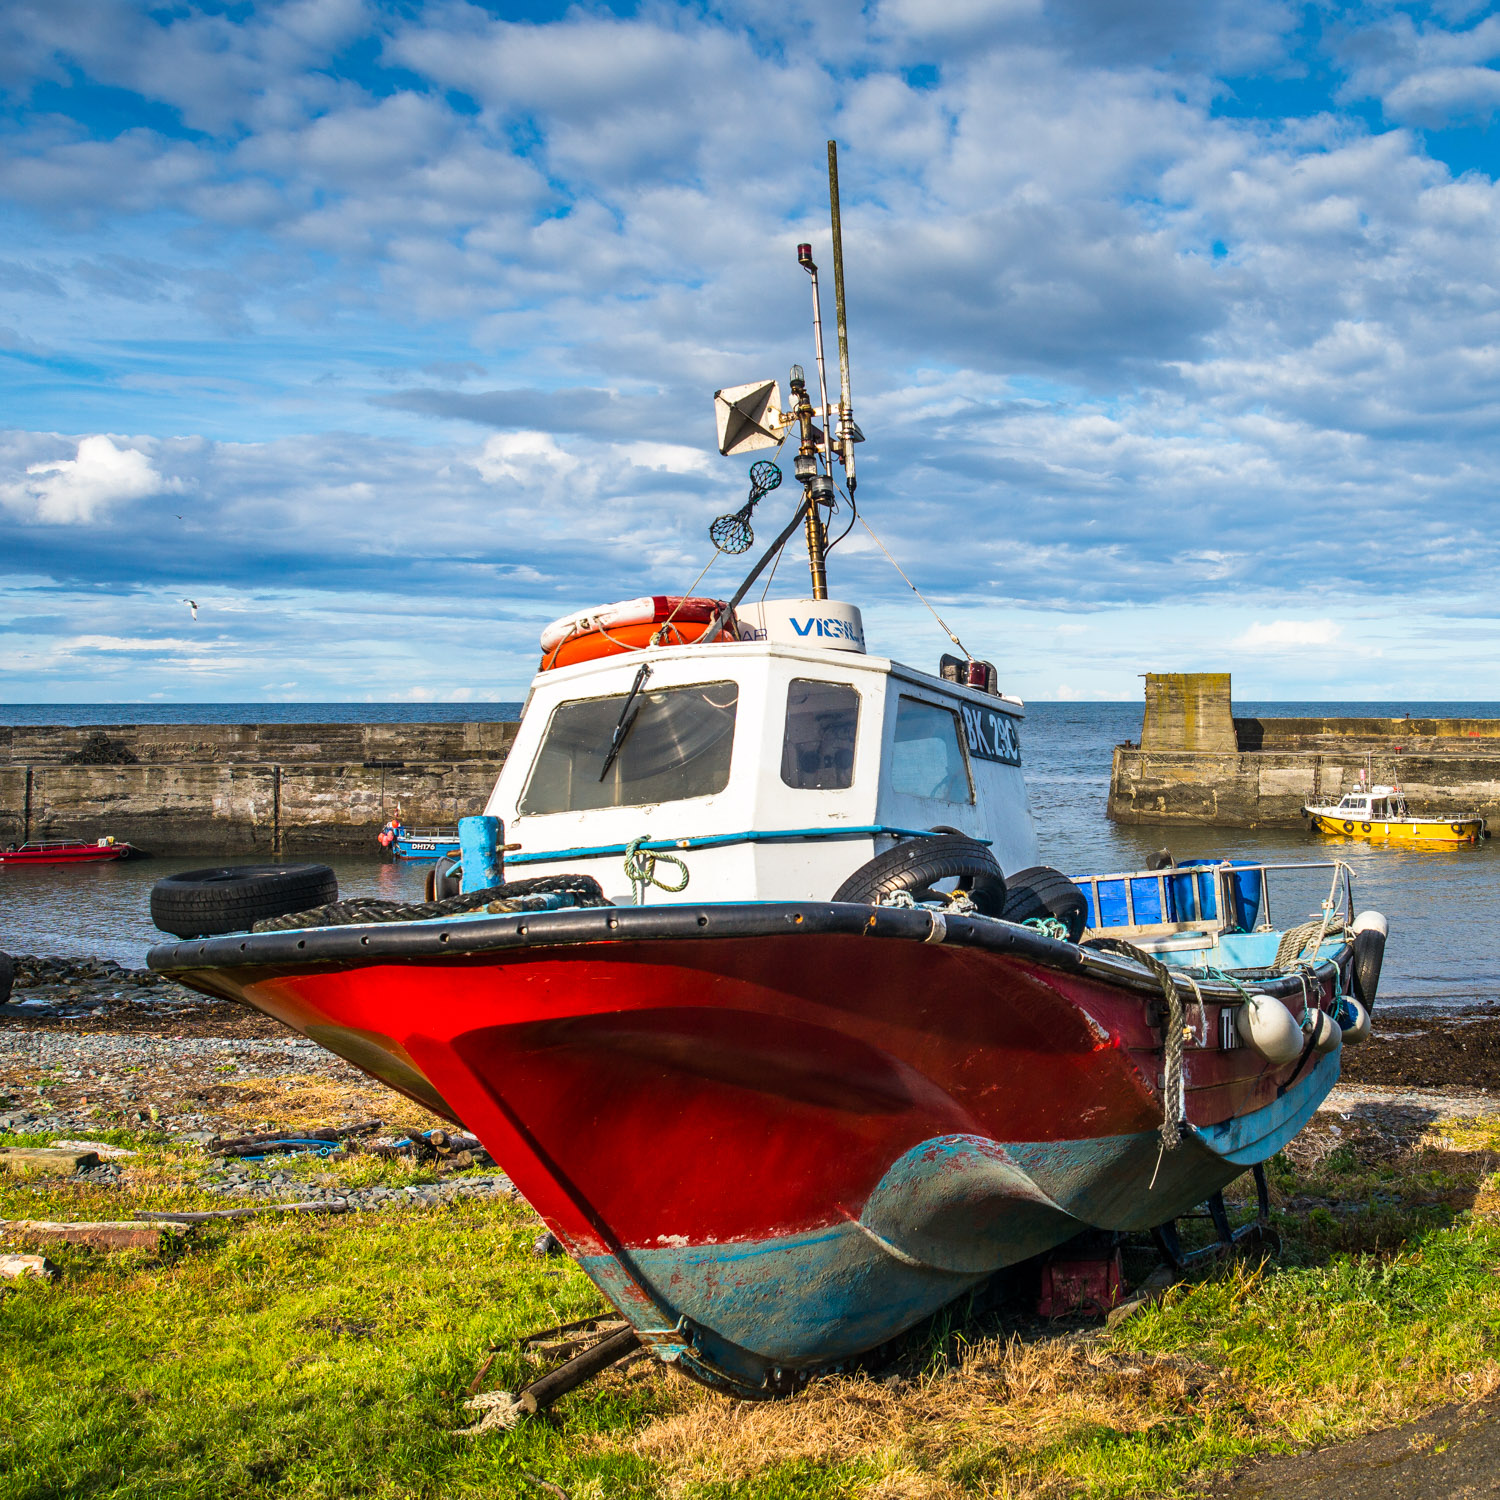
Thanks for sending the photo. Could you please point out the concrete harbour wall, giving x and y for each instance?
(1273, 766)
(242, 788)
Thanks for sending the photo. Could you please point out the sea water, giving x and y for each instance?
(1442, 904)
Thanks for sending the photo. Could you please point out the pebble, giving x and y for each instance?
(115, 1069)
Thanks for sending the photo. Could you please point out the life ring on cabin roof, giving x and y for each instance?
(632, 625)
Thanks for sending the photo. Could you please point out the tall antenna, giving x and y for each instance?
(808, 264)
(847, 428)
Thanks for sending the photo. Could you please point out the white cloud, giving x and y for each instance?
(1445, 96)
(1112, 344)
(1288, 635)
(75, 491)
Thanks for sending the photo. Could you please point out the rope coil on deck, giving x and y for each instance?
(1298, 944)
(512, 896)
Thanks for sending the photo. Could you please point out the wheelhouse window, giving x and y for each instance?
(676, 745)
(927, 759)
(822, 720)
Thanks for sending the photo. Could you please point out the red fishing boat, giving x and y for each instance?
(783, 1029)
(66, 852)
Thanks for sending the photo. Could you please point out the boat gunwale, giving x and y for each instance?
(455, 940)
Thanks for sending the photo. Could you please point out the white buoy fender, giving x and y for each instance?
(1370, 930)
(1355, 1020)
(1326, 1036)
(1269, 1027)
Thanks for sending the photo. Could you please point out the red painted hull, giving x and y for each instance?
(756, 1091)
(70, 854)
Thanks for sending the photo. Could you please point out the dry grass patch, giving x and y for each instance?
(918, 1439)
(312, 1100)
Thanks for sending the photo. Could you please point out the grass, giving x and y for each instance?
(281, 1357)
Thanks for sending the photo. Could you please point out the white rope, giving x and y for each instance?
(500, 1409)
(660, 634)
(918, 592)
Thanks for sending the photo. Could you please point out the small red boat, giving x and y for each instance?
(66, 852)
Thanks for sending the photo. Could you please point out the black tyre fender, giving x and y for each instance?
(1041, 891)
(232, 898)
(445, 878)
(1369, 954)
(7, 977)
(917, 864)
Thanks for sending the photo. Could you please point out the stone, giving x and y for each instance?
(101, 1149)
(1147, 1294)
(46, 1159)
(27, 1265)
(97, 1234)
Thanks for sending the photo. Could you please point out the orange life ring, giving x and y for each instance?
(593, 644)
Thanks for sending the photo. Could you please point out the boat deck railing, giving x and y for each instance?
(1197, 900)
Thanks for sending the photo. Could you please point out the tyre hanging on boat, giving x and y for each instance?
(444, 878)
(1040, 892)
(916, 865)
(1370, 929)
(232, 898)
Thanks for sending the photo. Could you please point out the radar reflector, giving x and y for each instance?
(749, 417)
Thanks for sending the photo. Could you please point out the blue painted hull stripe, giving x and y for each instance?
(717, 840)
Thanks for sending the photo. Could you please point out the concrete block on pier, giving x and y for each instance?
(1188, 711)
(1261, 773)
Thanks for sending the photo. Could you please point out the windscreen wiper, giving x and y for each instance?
(626, 721)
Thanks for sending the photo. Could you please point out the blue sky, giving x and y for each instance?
(388, 333)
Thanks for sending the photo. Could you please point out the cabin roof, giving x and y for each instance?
(718, 657)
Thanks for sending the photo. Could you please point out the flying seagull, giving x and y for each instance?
(192, 604)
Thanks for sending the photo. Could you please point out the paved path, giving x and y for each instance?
(1452, 1454)
(1445, 1103)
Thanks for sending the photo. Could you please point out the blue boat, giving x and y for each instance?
(402, 842)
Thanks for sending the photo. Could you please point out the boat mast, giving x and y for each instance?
(818, 486)
(846, 409)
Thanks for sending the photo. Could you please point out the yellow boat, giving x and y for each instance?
(1380, 812)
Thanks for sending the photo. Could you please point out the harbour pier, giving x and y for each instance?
(242, 788)
(1198, 762)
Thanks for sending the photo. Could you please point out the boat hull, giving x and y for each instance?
(1412, 831)
(81, 854)
(772, 1139)
(420, 848)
